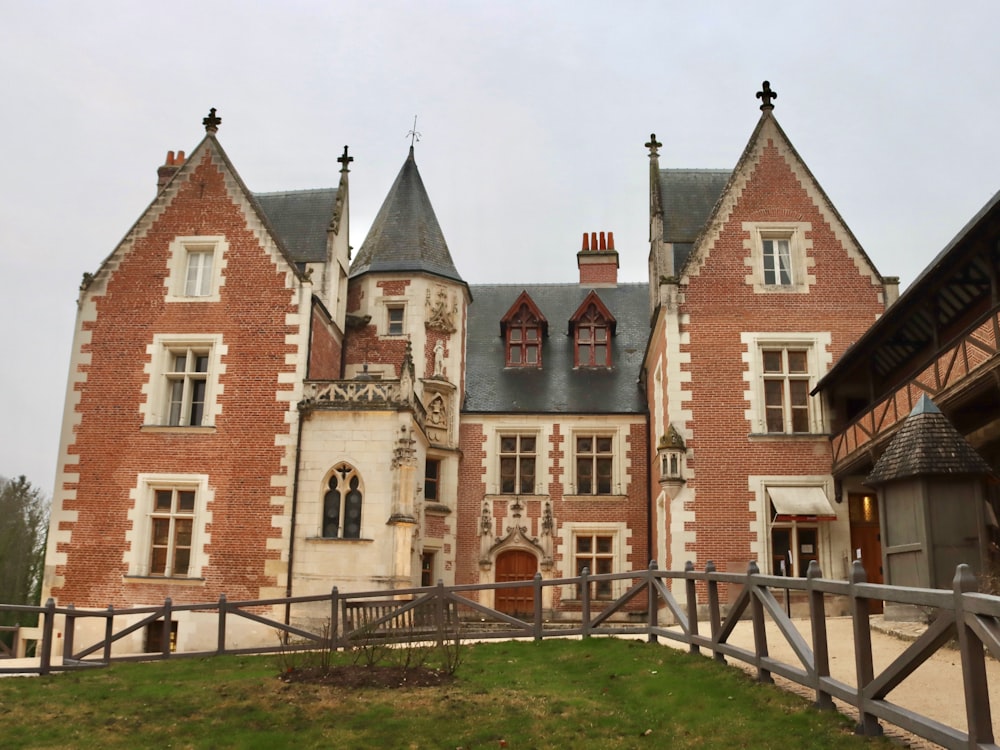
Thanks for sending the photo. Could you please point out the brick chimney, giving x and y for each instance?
(598, 260)
(164, 173)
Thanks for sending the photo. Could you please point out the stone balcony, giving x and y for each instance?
(362, 395)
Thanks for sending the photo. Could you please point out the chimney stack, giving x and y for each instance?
(169, 168)
(598, 260)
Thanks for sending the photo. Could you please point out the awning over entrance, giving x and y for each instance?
(801, 504)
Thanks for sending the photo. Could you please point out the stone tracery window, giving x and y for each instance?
(342, 504)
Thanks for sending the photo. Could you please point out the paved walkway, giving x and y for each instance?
(935, 689)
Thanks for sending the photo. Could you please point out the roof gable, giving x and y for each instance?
(524, 299)
(768, 138)
(602, 311)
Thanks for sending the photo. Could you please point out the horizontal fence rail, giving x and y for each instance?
(646, 606)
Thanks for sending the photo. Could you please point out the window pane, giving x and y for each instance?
(182, 561)
(158, 562)
(601, 355)
(584, 544)
(531, 334)
(515, 355)
(797, 362)
(185, 500)
(584, 445)
(508, 444)
(604, 544)
(515, 334)
(531, 355)
(508, 474)
(604, 445)
(583, 334)
(163, 499)
(527, 475)
(201, 363)
(161, 531)
(772, 361)
(182, 532)
(773, 393)
(527, 444)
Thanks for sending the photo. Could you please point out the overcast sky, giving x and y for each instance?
(532, 118)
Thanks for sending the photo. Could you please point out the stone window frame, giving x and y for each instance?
(138, 554)
(800, 254)
(817, 348)
(161, 375)
(619, 555)
(181, 251)
(617, 460)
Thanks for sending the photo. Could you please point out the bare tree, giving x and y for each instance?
(24, 514)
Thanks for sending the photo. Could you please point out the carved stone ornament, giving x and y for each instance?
(441, 311)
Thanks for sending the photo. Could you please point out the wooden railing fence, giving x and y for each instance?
(970, 619)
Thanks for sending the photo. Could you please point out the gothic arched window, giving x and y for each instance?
(342, 504)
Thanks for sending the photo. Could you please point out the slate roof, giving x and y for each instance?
(301, 219)
(405, 235)
(688, 197)
(927, 445)
(556, 387)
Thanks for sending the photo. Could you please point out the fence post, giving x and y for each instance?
(714, 613)
(977, 690)
(864, 668)
(691, 592)
(221, 647)
(536, 584)
(68, 633)
(45, 665)
(439, 600)
(759, 632)
(820, 644)
(165, 635)
(585, 603)
(334, 618)
(109, 630)
(652, 602)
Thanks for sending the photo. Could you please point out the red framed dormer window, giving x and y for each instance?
(592, 328)
(523, 328)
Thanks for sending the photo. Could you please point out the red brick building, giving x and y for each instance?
(252, 412)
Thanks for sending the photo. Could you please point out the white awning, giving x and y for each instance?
(801, 503)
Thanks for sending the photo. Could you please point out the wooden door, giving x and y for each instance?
(866, 539)
(515, 565)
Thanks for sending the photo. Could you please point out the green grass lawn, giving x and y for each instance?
(600, 693)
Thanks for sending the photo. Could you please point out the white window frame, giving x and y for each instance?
(389, 308)
(799, 256)
(619, 553)
(617, 460)
(518, 455)
(138, 555)
(161, 376)
(818, 360)
(210, 276)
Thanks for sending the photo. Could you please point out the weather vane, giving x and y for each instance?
(413, 134)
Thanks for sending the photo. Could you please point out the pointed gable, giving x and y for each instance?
(592, 300)
(523, 328)
(768, 184)
(405, 235)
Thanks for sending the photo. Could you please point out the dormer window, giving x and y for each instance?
(592, 327)
(523, 328)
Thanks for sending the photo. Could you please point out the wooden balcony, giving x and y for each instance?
(955, 377)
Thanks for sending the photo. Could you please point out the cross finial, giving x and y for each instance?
(653, 145)
(211, 122)
(766, 95)
(413, 134)
(345, 160)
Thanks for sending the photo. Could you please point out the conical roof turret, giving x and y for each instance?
(405, 235)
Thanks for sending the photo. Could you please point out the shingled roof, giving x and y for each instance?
(687, 197)
(405, 235)
(556, 387)
(927, 445)
(301, 219)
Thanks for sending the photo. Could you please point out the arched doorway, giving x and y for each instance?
(515, 565)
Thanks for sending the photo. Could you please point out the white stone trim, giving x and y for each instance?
(621, 550)
(820, 359)
(136, 555)
(800, 251)
(180, 249)
(155, 408)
